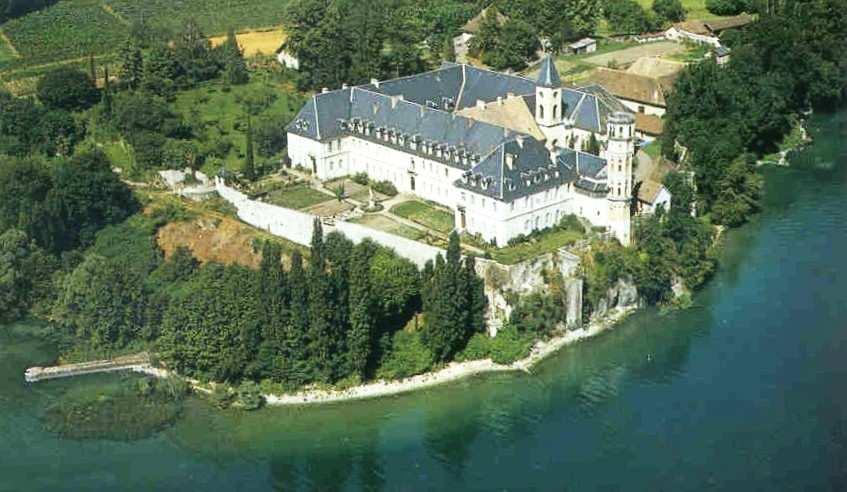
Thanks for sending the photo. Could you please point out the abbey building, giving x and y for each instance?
(503, 152)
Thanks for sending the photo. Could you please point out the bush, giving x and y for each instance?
(222, 396)
(360, 178)
(408, 356)
(68, 89)
(249, 396)
(669, 10)
(385, 187)
(507, 347)
(572, 223)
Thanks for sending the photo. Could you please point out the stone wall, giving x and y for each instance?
(503, 283)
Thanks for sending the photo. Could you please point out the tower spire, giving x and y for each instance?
(549, 76)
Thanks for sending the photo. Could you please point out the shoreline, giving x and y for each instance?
(453, 372)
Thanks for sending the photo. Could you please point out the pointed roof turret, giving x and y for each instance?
(549, 76)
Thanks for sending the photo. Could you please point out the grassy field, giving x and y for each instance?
(544, 243)
(220, 114)
(7, 52)
(67, 30)
(299, 196)
(426, 215)
(696, 9)
(213, 16)
(386, 224)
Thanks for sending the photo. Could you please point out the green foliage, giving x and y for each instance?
(248, 396)
(222, 396)
(425, 214)
(669, 10)
(507, 44)
(628, 17)
(25, 275)
(385, 187)
(538, 314)
(740, 190)
(235, 68)
(508, 346)
(408, 356)
(727, 7)
(454, 303)
(67, 89)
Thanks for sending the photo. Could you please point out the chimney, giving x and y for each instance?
(324, 90)
(510, 95)
(344, 85)
(480, 104)
(499, 100)
(375, 83)
(519, 140)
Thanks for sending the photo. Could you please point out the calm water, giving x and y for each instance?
(746, 391)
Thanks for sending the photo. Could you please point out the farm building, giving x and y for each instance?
(584, 45)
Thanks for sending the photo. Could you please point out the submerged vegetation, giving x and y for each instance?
(127, 410)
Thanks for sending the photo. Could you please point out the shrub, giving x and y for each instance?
(385, 187)
(507, 347)
(249, 396)
(361, 178)
(68, 89)
(669, 10)
(572, 223)
(408, 356)
(222, 396)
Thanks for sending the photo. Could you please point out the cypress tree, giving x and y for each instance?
(107, 93)
(235, 68)
(249, 170)
(320, 309)
(296, 340)
(362, 322)
(92, 69)
(477, 302)
(132, 64)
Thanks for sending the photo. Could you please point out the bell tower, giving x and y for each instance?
(548, 95)
(619, 155)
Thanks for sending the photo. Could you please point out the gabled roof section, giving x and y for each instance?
(487, 86)
(549, 76)
(437, 89)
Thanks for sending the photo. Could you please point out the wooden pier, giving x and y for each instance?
(137, 362)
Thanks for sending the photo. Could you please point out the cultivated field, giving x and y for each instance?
(213, 16)
(255, 43)
(426, 215)
(64, 31)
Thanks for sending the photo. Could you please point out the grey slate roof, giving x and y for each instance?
(549, 76)
(422, 108)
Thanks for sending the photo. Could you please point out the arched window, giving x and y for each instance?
(555, 110)
(540, 112)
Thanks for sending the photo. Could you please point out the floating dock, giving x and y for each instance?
(138, 363)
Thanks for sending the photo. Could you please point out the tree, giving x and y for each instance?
(86, 196)
(628, 17)
(67, 89)
(102, 303)
(451, 304)
(132, 64)
(161, 71)
(669, 10)
(362, 320)
(235, 68)
(726, 7)
(249, 170)
(320, 309)
(739, 193)
(193, 52)
(106, 100)
(25, 274)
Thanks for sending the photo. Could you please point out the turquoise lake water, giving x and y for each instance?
(745, 391)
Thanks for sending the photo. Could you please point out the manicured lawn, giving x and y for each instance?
(426, 215)
(386, 224)
(298, 197)
(218, 114)
(544, 243)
